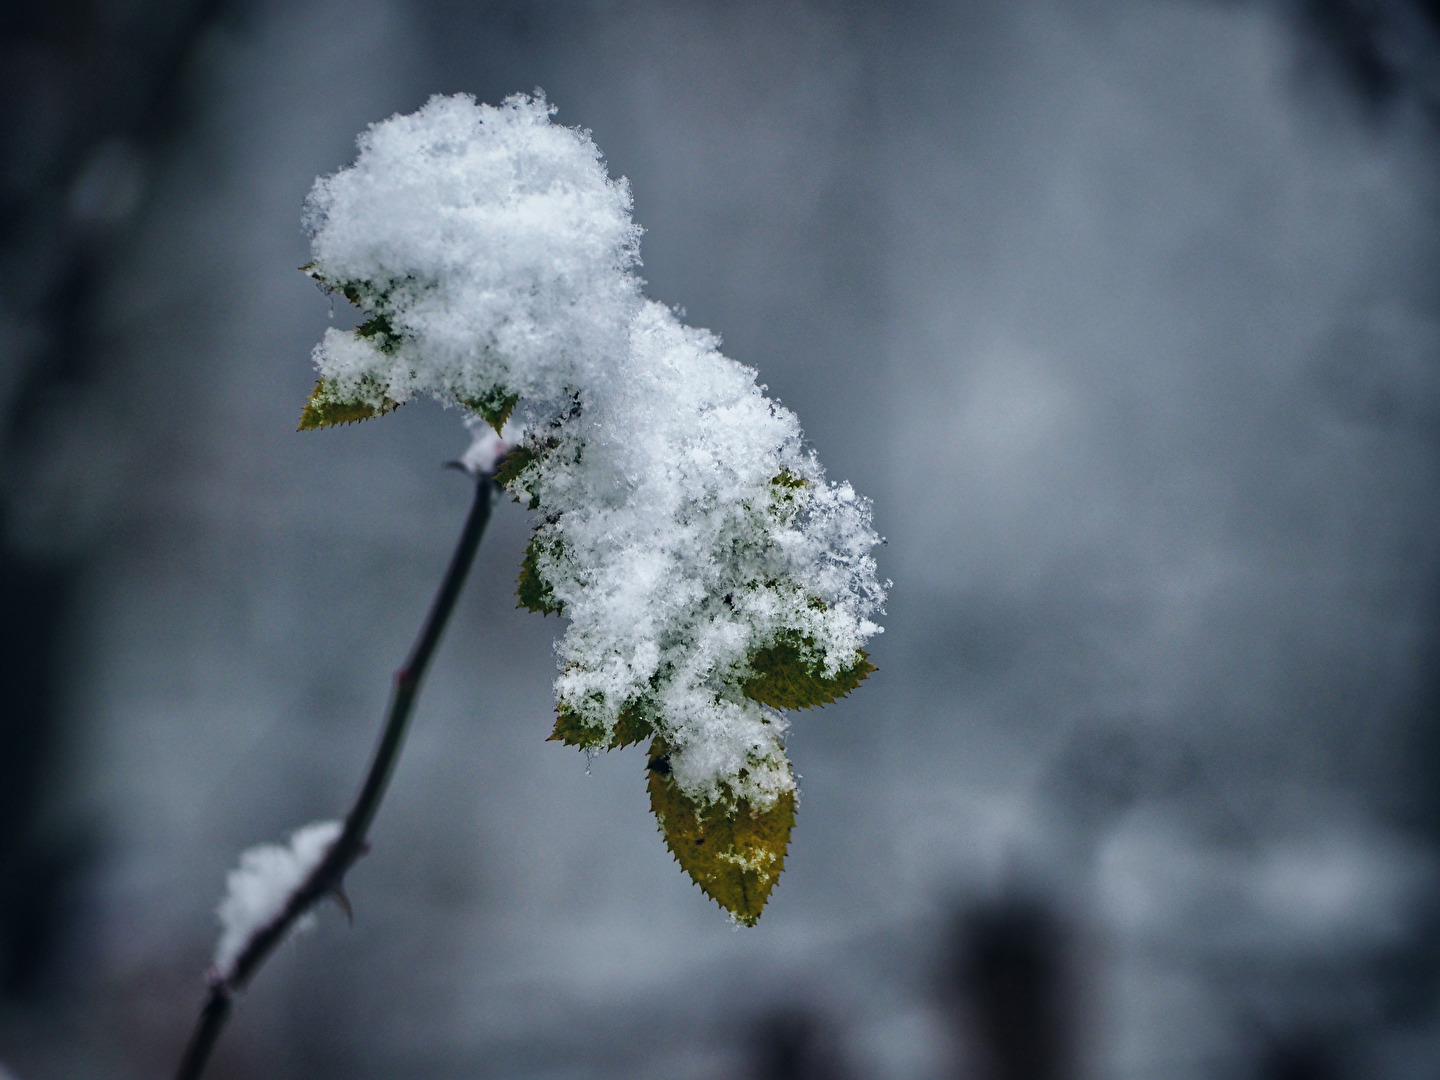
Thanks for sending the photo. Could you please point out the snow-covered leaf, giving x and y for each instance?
(532, 589)
(630, 728)
(495, 405)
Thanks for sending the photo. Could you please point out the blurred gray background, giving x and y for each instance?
(1125, 314)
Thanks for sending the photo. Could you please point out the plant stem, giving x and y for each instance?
(328, 877)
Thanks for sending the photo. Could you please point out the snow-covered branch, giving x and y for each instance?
(258, 890)
(275, 888)
(710, 574)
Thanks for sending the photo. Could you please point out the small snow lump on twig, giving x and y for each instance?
(257, 891)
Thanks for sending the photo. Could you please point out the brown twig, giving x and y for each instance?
(328, 877)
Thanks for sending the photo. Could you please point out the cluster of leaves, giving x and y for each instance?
(331, 404)
(733, 849)
(731, 846)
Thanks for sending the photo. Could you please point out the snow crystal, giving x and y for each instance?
(683, 527)
(256, 890)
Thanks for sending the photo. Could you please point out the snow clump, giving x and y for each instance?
(709, 572)
(490, 248)
(257, 890)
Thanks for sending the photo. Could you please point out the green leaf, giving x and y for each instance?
(495, 405)
(572, 731)
(788, 675)
(532, 589)
(786, 479)
(630, 728)
(733, 851)
(513, 464)
(325, 409)
(379, 328)
(373, 300)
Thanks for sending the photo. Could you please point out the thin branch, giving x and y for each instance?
(328, 877)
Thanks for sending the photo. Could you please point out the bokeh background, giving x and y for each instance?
(1124, 313)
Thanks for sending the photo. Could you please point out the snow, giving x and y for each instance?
(256, 890)
(486, 447)
(498, 242)
(681, 522)
(678, 556)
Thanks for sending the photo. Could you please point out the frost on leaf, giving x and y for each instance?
(732, 849)
(488, 250)
(708, 572)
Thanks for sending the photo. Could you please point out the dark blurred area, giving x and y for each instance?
(1014, 998)
(95, 96)
(1125, 314)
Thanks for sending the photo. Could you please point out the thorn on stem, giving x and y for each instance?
(338, 894)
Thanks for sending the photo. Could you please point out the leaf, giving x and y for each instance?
(382, 331)
(572, 731)
(325, 410)
(513, 464)
(630, 728)
(734, 852)
(786, 479)
(785, 677)
(495, 405)
(532, 589)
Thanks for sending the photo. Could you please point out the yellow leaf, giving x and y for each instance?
(630, 728)
(572, 731)
(732, 850)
